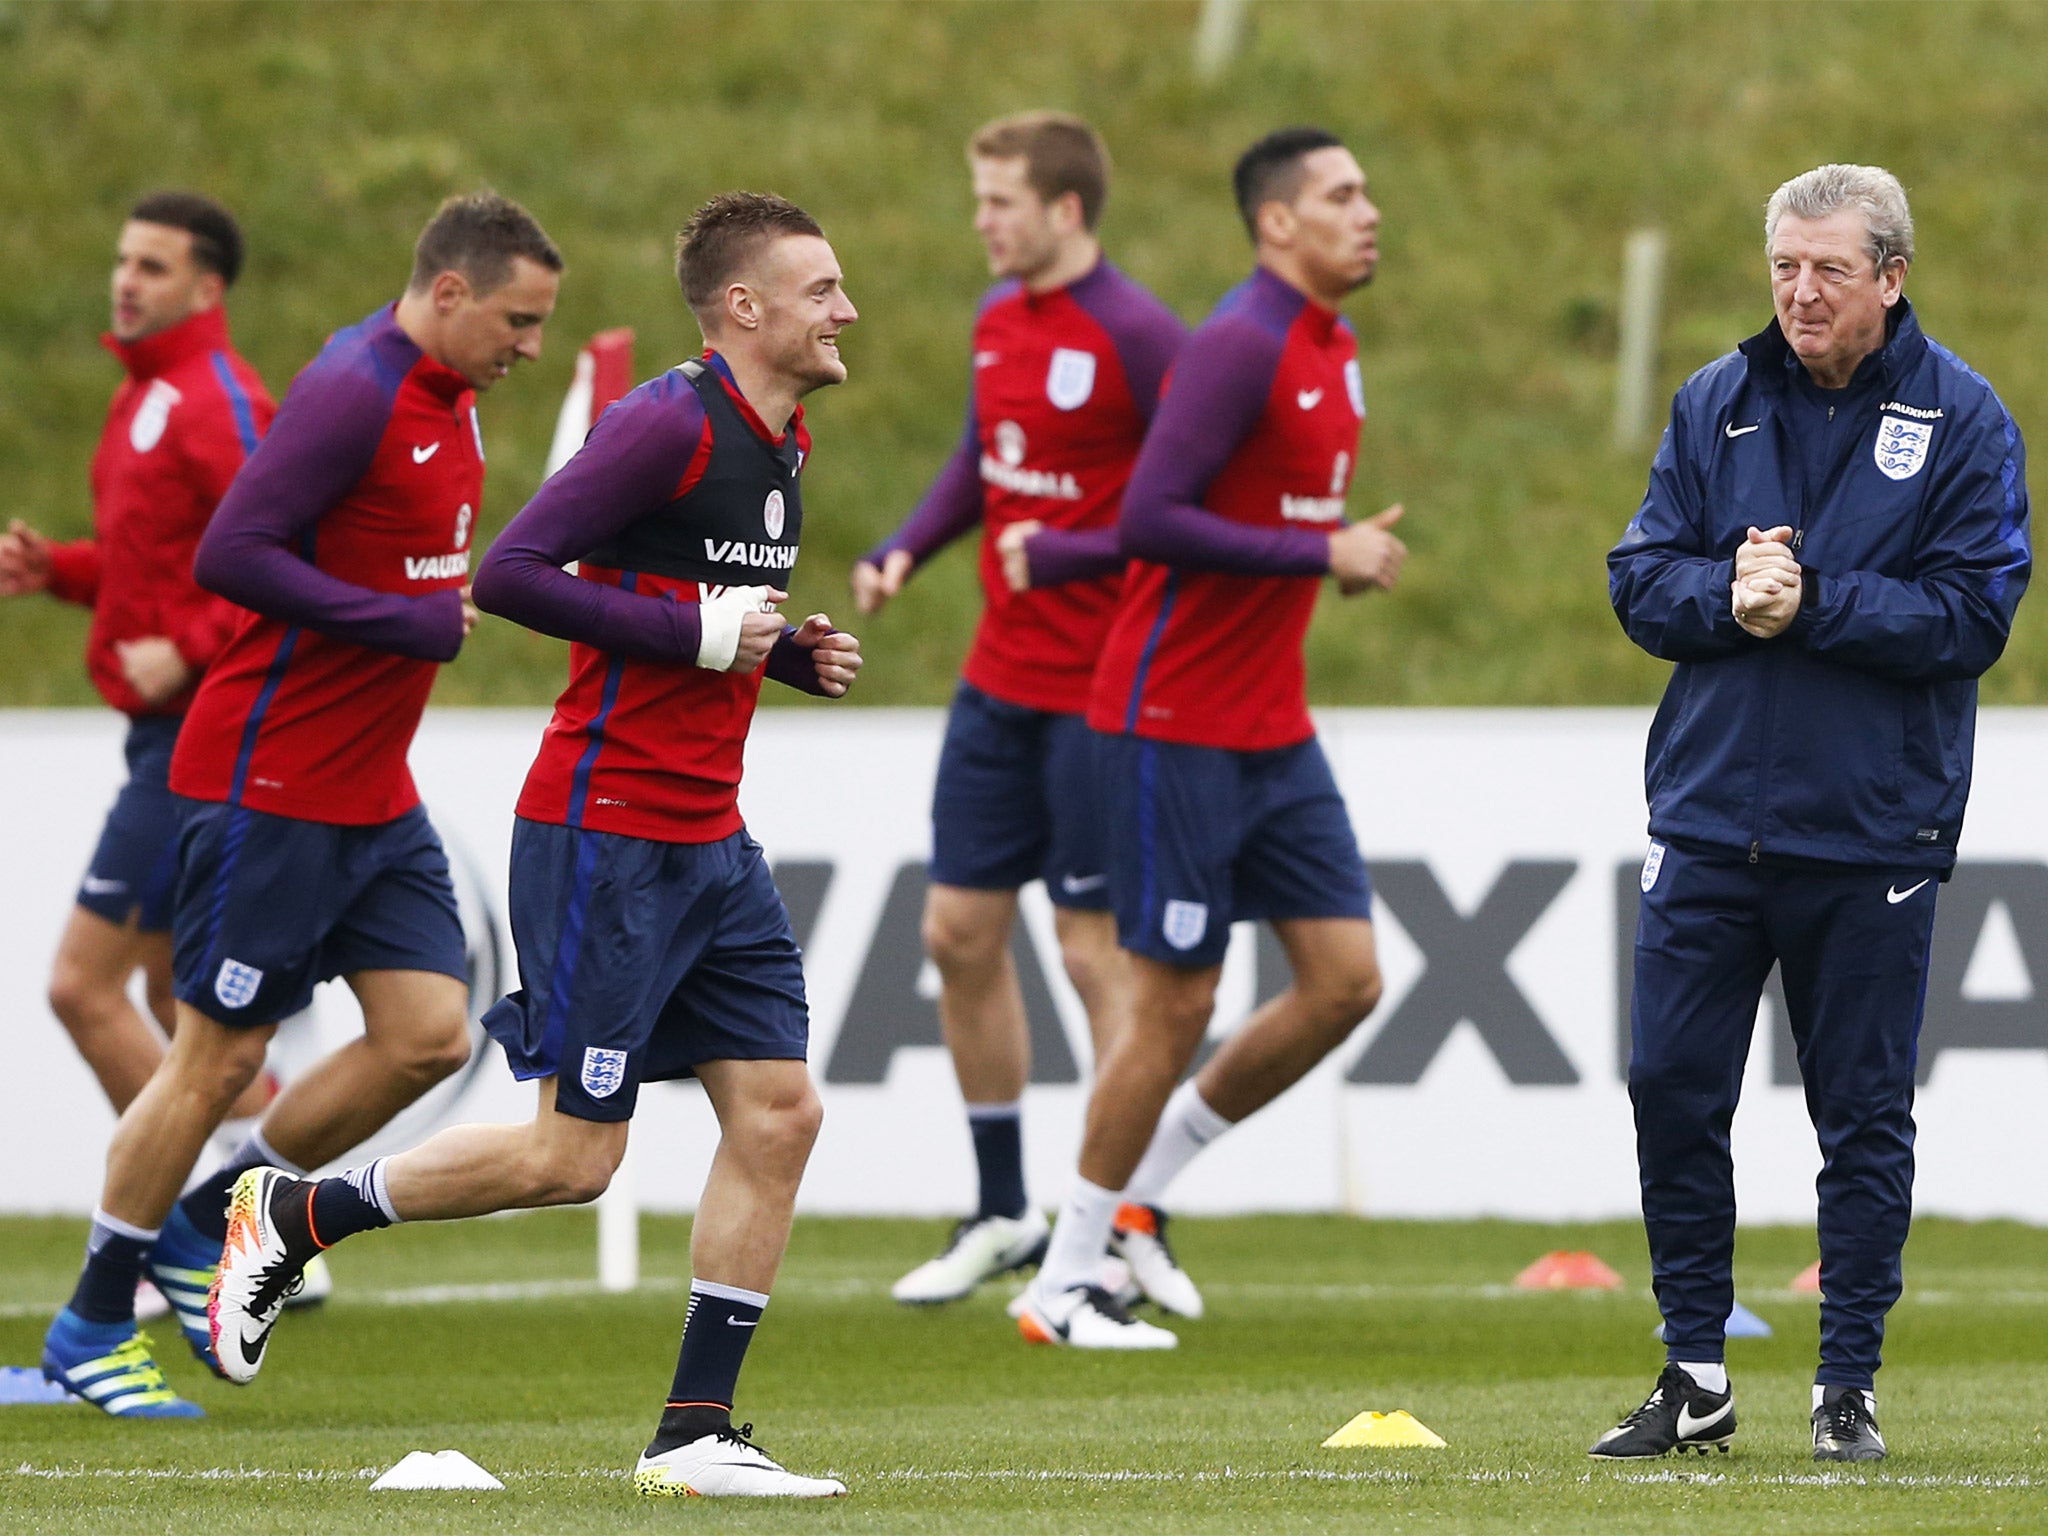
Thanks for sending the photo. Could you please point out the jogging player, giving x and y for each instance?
(1220, 803)
(1068, 357)
(305, 853)
(186, 416)
(652, 941)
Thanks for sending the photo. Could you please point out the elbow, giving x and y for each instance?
(493, 586)
(216, 569)
(1138, 536)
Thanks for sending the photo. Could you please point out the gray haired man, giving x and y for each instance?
(1831, 549)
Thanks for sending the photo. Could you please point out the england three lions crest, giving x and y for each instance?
(603, 1071)
(1902, 446)
(1071, 378)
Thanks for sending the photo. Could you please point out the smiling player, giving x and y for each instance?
(652, 941)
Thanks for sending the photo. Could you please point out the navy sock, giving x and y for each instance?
(113, 1263)
(349, 1203)
(998, 1132)
(716, 1332)
(206, 1203)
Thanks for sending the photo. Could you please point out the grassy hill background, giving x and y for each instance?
(1511, 147)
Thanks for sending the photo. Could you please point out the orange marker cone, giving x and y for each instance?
(1568, 1270)
(1808, 1279)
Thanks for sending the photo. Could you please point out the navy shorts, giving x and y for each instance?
(270, 906)
(1201, 837)
(640, 959)
(1018, 800)
(135, 868)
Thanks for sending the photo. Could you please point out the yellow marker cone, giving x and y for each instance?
(1381, 1429)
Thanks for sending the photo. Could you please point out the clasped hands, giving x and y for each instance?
(1767, 588)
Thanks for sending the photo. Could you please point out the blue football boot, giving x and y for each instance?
(181, 1264)
(110, 1366)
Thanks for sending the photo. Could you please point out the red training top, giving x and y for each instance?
(182, 423)
(1259, 428)
(1065, 383)
(348, 538)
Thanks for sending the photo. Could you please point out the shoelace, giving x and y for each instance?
(274, 1290)
(1842, 1416)
(1107, 1305)
(135, 1356)
(741, 1436)
(1650, 1405)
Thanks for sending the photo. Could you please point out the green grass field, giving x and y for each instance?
(944, 1422)
(1512, 146)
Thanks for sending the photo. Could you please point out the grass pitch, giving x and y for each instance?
(485, 1336)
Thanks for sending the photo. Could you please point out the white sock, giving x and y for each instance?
(368, 1181)
(1869, 1398)
(1079, 1238)
(1186, 1125)
(1711, 1374)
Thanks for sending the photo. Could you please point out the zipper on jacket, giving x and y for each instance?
(1753, 847)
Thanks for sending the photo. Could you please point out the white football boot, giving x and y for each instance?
(259, 1270)
(981, 1248)
(1085, 1317)
(1139, 1239)
(726, 1464)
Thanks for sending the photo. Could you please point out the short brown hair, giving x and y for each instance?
(1061, 154)
(216, 238)
(480, 234)
(725, 234)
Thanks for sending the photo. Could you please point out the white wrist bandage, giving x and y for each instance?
(719, 620)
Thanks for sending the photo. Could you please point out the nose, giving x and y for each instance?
(846, 314)
(528, 345)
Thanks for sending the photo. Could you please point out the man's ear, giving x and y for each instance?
(450, 289)
(1276, 222)
(742, 306)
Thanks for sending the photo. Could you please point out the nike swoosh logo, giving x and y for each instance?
(734, 1322)
(1735, 431)
(1689, 1426)
(1894, 896)
(1309, 399)
(421, 455)
(252, 1349)
(95, 886)
(1075, 887)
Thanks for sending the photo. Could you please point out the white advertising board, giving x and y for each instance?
(1504, 846)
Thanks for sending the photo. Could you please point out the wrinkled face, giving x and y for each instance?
(1020, 232)
(1334, 227)
(156, 281)
(801, 307)
(481, 337)
(1830, 297)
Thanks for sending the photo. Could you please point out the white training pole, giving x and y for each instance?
(618, 1230)
(1218, 35)
(1635, 370)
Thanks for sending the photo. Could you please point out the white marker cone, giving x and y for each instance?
(434, 1469)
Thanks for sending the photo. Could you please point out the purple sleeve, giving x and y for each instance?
(631, 464)
(1217, 392)
(950, 508)
(1059, 555)
(795, 666)
(323, 441)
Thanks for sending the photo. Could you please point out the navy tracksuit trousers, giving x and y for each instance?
(1851, 944)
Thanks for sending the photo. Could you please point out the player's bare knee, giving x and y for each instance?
(76, 999)
(435, 1050)
(961, 946)
(779, 1132)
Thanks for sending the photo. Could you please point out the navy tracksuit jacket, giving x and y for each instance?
(1806, 792)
